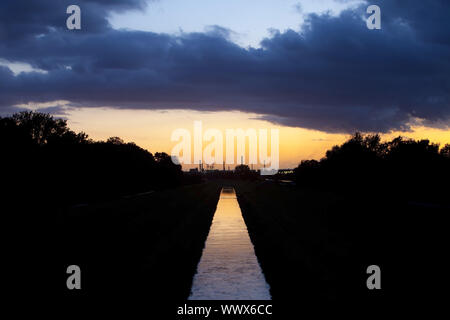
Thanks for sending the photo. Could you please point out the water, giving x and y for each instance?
(228, 268)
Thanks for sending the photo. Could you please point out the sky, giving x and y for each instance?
(250, 21)
(312, 69)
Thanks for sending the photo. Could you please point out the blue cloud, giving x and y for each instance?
(335, 75)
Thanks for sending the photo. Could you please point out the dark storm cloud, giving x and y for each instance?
(22, 19)
(335, 75)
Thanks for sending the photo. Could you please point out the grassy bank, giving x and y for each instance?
(291, 237)
(147, 246)
(315, 246)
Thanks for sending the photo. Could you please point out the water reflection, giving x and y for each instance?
(228, 269)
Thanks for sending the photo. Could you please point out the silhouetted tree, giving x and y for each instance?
(47, 159)
(115, 140)
(414, 169)
(242, 169)
(445, 151)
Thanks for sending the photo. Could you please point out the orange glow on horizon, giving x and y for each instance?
(152, 130)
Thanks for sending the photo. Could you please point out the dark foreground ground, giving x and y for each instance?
(314, 246)
(141, 249)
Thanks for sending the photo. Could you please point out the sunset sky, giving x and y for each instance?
(141, 69)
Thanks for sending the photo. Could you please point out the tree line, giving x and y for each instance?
(43, 157)
(413, 169)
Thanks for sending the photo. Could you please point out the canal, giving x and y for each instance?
(228, 268)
